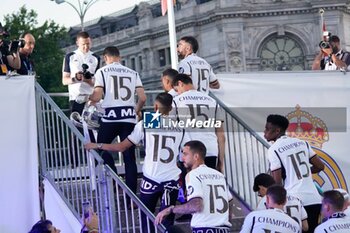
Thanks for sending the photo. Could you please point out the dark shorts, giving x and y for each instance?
(211, 230)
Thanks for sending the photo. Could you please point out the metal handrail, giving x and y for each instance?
(245, 155)
(240, 121)
(247, 150)
(66, 165)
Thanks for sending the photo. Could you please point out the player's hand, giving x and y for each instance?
(139, 116)
(162, 214)
(79, 76)
(92, 221)
(328, 51)
(90, 146)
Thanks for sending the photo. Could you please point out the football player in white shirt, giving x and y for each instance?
(194, 105)
(196, 67)
(168, 76)
(117, 85)
(208, 195)
(332, 211)
(273, 219)
(292, 161)
(79, 87)
(162, 147)
(293, 207)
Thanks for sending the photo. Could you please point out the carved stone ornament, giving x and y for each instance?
(144, 10)
(234, 42)
(236, 62)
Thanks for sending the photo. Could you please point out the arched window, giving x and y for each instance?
(281, 53)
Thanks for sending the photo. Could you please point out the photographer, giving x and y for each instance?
(27, 67)
(78, 69)
(331, 56)
(8, 60)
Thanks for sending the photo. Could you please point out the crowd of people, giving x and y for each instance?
(192, 158)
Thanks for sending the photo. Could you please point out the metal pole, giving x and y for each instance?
(172, 34)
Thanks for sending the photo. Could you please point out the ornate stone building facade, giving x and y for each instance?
(233, 35)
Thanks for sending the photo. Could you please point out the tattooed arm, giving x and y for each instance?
(193, 206)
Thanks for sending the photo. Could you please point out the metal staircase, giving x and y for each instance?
(81, 176)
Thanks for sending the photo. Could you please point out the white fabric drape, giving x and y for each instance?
(19, 194)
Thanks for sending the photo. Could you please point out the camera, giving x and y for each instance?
(9, 47)
(86, 73)
(324, 45)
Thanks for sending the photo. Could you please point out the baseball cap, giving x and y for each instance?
(263, 179)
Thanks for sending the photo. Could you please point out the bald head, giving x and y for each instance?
(29, 45)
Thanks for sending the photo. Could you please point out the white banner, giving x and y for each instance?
(58, 212)
(19, 195)
(317, 105)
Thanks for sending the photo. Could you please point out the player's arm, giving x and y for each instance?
(14, 61)
(316, 64)
(97, 94)
(192, 206)
(120, 147)
(221, 143)
(277, 176)
(215, 84)
(275, 166)
(213, 81)
(338, 62)
(317, 164)
(304, 225)
(141, 99)
(66, 78)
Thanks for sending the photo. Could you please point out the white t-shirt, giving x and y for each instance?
(173, 93)
(196, 105)
(200, 71)
(119, 84)
(162, 147)
(330, 65)
(293, 207)
(209, 185)
(292, 155)
(270, 220)
(73, 64)
(337, 225)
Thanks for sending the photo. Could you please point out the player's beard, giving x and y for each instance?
(180, 56)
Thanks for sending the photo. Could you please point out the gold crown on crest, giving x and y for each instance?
(305, 126)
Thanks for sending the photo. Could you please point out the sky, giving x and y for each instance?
(63, 13)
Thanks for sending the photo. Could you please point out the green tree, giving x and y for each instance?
(48, 55)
